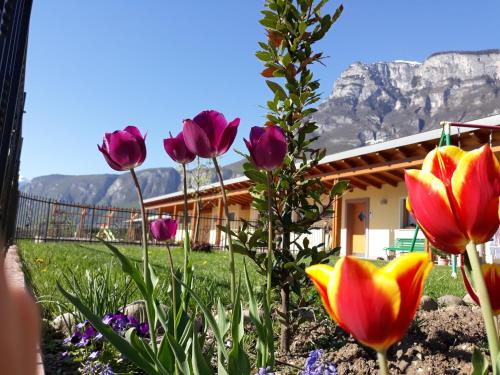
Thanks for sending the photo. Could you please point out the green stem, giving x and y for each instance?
(228, 228)
(174, 296)
(382, 363)
(484, 299)
(269, 237)
(186, 233)
(145, 258)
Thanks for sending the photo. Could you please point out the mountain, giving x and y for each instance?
(372, 103)
(116, 190)
(369, 103)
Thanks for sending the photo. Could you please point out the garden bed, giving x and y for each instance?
(439, 342)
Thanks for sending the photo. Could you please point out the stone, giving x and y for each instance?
(428, 304)
(450, 300)
(64, 323)
(468, 300)
(137, 309)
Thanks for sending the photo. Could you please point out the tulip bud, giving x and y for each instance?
(124, 149)
(177, 150)
(163, 229)
(267, 146)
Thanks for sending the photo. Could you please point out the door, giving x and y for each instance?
(356, 224)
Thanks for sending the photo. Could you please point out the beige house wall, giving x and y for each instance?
(385, 218)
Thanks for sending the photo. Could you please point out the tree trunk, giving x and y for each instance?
(285, 323)
(197, 223)
(285, 304)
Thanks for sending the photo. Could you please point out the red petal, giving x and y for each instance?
(432, 210)
(476, 187)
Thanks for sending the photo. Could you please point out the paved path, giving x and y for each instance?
(15, 275)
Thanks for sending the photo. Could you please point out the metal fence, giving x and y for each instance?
(14, 24)
(44, 219)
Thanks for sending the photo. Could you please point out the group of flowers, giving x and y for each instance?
(207, 135)
(86, 336)
(454, 199)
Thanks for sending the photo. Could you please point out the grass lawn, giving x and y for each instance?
(49, 263)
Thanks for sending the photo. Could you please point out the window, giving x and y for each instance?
(407, 219)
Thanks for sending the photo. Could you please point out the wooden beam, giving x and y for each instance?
(357, 183)
(369, 180)
(402, 152)
(384, 178)
(390, 178)
(220, 210)
(336, 222)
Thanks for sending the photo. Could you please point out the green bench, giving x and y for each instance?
(404, 245)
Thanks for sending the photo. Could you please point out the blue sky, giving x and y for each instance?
(97, 66)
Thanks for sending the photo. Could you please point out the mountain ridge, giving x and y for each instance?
(369, 103)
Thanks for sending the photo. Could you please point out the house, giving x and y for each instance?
(369, 217)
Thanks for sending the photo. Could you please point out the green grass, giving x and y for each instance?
(49, 263)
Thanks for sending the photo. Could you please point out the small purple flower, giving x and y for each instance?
(65, 354)
(314, 365)
(163, 229)
(94, 354)
(265, 371)
(142, 329)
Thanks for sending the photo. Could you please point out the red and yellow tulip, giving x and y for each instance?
(375, 305)
(455, 197)
(491, 274)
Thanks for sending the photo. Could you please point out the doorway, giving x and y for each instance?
(357, 217)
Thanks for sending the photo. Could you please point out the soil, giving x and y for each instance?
(438, 342)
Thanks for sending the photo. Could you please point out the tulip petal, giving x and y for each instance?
(197, 140)
(226, 139)
(108, 158)
(410, 272)
(141, 141)
(271, 148)
(255, 133)
(432, 210)
(365, 300)
(442, 162)
(213, 123)
(320, 275)
(177, 150)
(476, 187)
(491, 274)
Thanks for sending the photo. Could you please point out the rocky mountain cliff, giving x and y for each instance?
(381, 101)
(369, 103)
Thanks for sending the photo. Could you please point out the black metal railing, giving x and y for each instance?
(14, 24)
(44, 219)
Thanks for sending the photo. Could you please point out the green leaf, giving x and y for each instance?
(210, 319)
(256, 176)
(479, 363)
(238, 362)
(199, 363)
(263, 56)
(116, 340)
(166, 356)
(277, 89)
(339, 188)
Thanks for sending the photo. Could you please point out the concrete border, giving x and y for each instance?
(15, 275)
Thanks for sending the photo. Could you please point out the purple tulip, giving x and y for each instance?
(209, 135)
(177, 150)
(124, 149)
(267, 147)
(163, 229)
